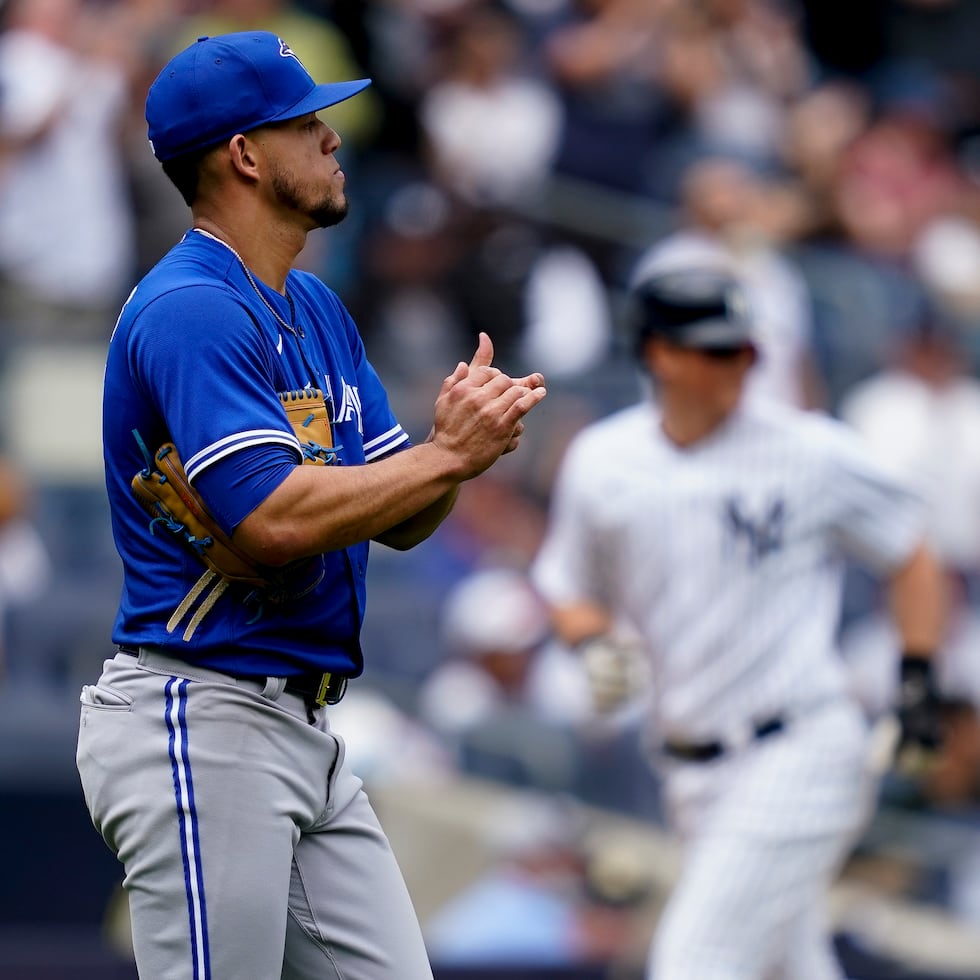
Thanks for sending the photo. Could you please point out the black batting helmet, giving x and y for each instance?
(696, 307)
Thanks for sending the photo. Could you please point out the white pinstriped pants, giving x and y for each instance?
(250, 849)
(765, 831)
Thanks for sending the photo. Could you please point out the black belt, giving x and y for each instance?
(316, 689)
(707, 751)
(321, 689)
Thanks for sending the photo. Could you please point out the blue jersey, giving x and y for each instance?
(197, 357)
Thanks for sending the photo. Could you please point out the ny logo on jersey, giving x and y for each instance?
(761, 533)
(349, 405)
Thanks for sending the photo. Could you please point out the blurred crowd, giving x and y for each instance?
(512, 165)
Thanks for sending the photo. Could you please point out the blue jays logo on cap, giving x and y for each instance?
(230, 84)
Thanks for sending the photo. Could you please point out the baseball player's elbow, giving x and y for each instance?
(270, 543)
(279, 529)
(401, 537)
(419, 526)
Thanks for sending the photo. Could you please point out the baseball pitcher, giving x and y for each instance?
(251, 455)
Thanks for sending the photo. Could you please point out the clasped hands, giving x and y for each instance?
(479, 411)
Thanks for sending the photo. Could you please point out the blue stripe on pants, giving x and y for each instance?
(187, 818)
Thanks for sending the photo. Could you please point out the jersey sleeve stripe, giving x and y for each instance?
(253, 435)
(385, 438)
(243, 440)
(384, 444)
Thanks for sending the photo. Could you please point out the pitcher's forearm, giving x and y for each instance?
(419, 526)
(317, 509)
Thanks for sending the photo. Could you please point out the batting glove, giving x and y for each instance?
(617, 670)
(919, 713)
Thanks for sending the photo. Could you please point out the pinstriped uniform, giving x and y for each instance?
(728, 557)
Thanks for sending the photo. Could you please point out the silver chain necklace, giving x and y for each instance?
(297, 331)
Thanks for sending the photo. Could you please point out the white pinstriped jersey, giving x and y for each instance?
(727, 555)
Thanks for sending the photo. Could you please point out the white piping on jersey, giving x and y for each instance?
(231, 450)
(371, 443)
(247, 434)
(280, 438)
(382, 444)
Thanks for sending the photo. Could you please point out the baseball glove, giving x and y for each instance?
(164, 492)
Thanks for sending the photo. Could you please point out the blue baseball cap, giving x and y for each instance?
(220, 86)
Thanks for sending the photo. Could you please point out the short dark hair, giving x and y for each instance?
(185, 173)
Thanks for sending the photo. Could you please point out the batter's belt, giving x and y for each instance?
(715, 748)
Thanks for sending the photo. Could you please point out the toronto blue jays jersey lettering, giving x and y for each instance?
(222, 410)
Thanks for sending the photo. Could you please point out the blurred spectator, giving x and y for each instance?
(724, 225)
(522, 909)
(946, 257)
(819, 127)
(893, 182)
(858, 39)
(436, 272)
(568, 327)
(509, 696)
(549, 898)
(159, 213)
(650, 86)
(895, 178)
(411, 318)
(385, 744)
(491, 127)
(921, 413)
(731, 68)
(25, 566)
(66, 229)
(497, 633)
(601, 59)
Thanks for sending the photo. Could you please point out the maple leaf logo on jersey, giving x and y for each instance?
(761, 533)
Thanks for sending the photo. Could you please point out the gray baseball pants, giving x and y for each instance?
(250, 849)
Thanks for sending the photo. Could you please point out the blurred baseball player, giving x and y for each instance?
(717, 527)
(205, 750)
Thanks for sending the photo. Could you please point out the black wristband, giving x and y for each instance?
(916, 665)
(915, 674)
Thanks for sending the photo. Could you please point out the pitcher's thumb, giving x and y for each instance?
(484, 352)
